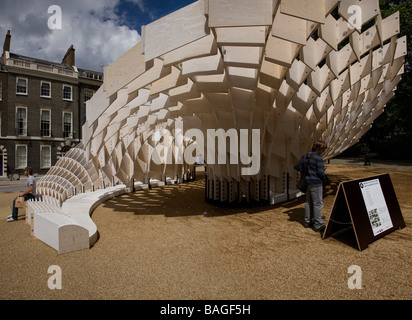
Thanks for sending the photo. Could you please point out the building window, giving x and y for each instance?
(45, 157)
(21, 156)
(21, 86)
(21, 121)
(1, 91)
(45, 89)
(45, 116)
(67, 125)
(88, 94)
(67, 93)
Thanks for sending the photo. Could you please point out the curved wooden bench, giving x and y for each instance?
(80, 207)
(50, 225)
(60, 232)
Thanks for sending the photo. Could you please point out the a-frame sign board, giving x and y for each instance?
(370, 205)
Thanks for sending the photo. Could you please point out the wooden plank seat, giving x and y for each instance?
(40, 204)
(59, 231)
(49, 224)
(68, 227)
(80, 207)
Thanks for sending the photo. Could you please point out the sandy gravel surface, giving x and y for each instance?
(159, 244)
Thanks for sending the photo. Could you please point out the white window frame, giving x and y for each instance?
(24, 162)
(27, 86)
(45, 164)
(24, 123)
(41, 85)
(41, 127)
(71, 124)
(71, 93)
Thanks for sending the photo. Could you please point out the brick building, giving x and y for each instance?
(42, 109)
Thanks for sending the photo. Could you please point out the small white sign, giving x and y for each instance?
(376, 207)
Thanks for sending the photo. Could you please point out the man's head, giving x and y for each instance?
(28, 170)
(319, 147)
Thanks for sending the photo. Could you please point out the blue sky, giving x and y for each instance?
(142, 12)
(100, 30)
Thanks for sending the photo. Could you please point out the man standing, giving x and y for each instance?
(315, 178)
(30, 193)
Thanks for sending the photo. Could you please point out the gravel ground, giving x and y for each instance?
(168, 243)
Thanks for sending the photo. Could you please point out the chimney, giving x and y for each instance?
(69, 57)
(6, 46)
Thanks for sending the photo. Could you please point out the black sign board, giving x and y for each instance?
(369, 205)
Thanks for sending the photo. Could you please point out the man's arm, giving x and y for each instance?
(320, 168)
(299, 166)
(29, 190)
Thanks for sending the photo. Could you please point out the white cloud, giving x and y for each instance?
(139, 3)
(143, 8)
(91, 26)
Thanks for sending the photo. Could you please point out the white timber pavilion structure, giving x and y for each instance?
(297, 71)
